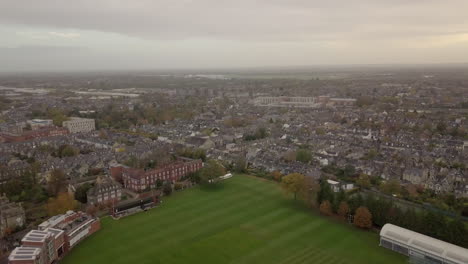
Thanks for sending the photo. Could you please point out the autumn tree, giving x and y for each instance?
(61, 204)
(56, 181)
(293, 183)
(363, 218)
(343, 209)
(325, 208)
(276, 175)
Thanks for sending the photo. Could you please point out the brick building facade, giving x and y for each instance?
(54, 238)
(104, 191)
(139, 180)
(33, 134)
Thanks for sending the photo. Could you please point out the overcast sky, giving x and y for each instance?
(43, 35)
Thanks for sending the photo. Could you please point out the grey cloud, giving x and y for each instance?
(212, 33)
(264, 20)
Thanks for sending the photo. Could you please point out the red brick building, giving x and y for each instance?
(33, 134)
(54, 238)
(139, 180)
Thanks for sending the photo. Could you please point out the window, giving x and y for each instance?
(431, 260)
(386, 244)
(400, 249)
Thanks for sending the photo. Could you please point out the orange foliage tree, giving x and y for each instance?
(325, 208)
(343, 210)
(363, 218)
(61, 204)
(277, 175)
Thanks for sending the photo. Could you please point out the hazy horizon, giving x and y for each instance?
(55, 36)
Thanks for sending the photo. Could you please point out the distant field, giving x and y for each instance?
(245, 220)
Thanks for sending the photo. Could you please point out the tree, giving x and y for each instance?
(311, 191)
(57, 116)
(61, 204)
(364, 181)
(132, 162)
(211, 171)
(167, 189)
(457, 233)
(441, 127)
(261, 133)
(354, 202)
(320, 131)
(325, 192)
(303, 155)
(390, 187)
(433, 224)
(192, 153)
(240, 166)
(56, 181)
(67, 151)
(363, 218)
(339, 197)
(81, 193)
(159, 183)
(35, 169)
(349, 171)
(293, 183)
(371, 154)
(178, 186)
(325, 208)
(276, 175)
(465, 211)
(343, 210)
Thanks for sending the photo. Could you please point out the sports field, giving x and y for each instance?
(243, 220)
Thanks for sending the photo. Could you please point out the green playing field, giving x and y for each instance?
(243, 220)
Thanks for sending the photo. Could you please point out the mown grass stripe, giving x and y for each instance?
(244, 220)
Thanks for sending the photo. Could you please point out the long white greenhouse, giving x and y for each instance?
(421, 248)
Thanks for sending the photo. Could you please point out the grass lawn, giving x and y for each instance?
(243, 220)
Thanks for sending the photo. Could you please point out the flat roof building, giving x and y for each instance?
(43, 240)
(40, 123)
(55, 238)
(78, 125)
(25, 255)
(421, 248)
